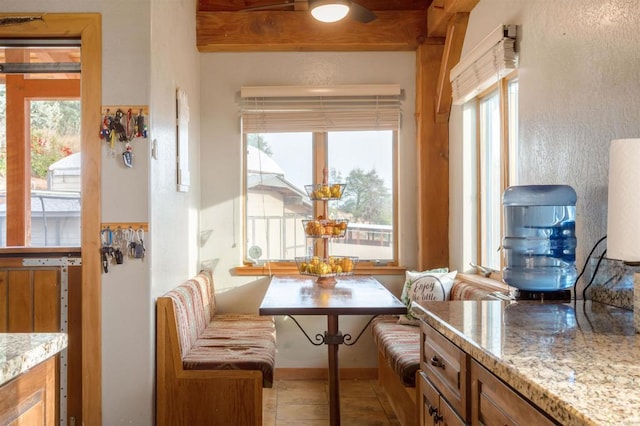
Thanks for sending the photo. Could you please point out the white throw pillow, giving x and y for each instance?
(432, 285)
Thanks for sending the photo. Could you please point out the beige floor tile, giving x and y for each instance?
(362, 406)
(302, 393)
(269, 399)
(356, 388)
(290, 412)
(306, 403)
(300, 384)
(269, 418)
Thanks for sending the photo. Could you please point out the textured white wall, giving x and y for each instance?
(222, 75)
(175, 63)
(174, 218)
(579, 85)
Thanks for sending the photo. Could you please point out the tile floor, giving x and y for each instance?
(306, 403)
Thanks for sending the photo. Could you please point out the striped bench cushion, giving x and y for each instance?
(400, 345)
(236, 342)
(210, 341)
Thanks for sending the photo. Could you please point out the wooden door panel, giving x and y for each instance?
(20, 301)
(31, 300)
(46, 300)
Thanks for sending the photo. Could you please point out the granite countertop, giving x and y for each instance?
(22, 351)
(578, 361)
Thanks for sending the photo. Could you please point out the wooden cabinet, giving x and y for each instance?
(495, 403)
(30, 399)
(444, 380)
(455, 389)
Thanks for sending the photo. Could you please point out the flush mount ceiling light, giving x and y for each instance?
(323, 10)
(329, 10)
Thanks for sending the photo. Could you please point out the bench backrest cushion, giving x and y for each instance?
(467, 291)
(194, 306)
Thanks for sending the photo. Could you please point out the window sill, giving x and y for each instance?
(288, 268)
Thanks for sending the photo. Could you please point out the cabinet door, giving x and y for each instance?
(429, 401)
(30, 399)
(448, 416)
(434, 409)
(494, 403)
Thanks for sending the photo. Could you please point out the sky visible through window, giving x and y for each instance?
(356, 149)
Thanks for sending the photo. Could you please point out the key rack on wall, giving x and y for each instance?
(125, 225)
(122, 240)
(121, 125)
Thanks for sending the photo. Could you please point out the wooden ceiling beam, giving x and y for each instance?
(298, 31)
(237, 5)
(450, 57)
(441, 12)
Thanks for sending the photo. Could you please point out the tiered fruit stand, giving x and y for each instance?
(326, 269)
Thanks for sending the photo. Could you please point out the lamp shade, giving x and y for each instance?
(329, 10)
(623, 217)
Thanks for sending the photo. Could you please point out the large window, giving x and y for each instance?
(496, 141)
(280, 165)
(351, 148)
(485, 83)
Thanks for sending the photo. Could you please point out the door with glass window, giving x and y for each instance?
(40, 198)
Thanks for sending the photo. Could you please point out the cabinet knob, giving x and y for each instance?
(437, 418)
(432, 410)
(435, 361)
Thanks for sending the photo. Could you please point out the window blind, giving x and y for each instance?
(320, 108)
(492, 59)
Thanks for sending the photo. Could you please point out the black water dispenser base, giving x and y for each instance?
(557, 295)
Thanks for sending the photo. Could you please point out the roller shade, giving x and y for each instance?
(274, 109)
(492, 59)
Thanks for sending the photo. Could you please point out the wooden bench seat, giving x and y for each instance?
(211, 367)
(399, 354)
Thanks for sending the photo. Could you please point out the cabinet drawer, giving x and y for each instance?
(446, 367)
(495, 403)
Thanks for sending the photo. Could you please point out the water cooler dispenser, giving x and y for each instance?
(539, 242)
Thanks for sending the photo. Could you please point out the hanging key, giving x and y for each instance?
(107, 257)
(139, 250)
(119, 244)
(127, 156)
(106, 236)
(105, 261)
(117, 254)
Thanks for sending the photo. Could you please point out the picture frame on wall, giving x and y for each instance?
(182, 141)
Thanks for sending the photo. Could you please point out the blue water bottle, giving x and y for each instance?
(539, 244)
